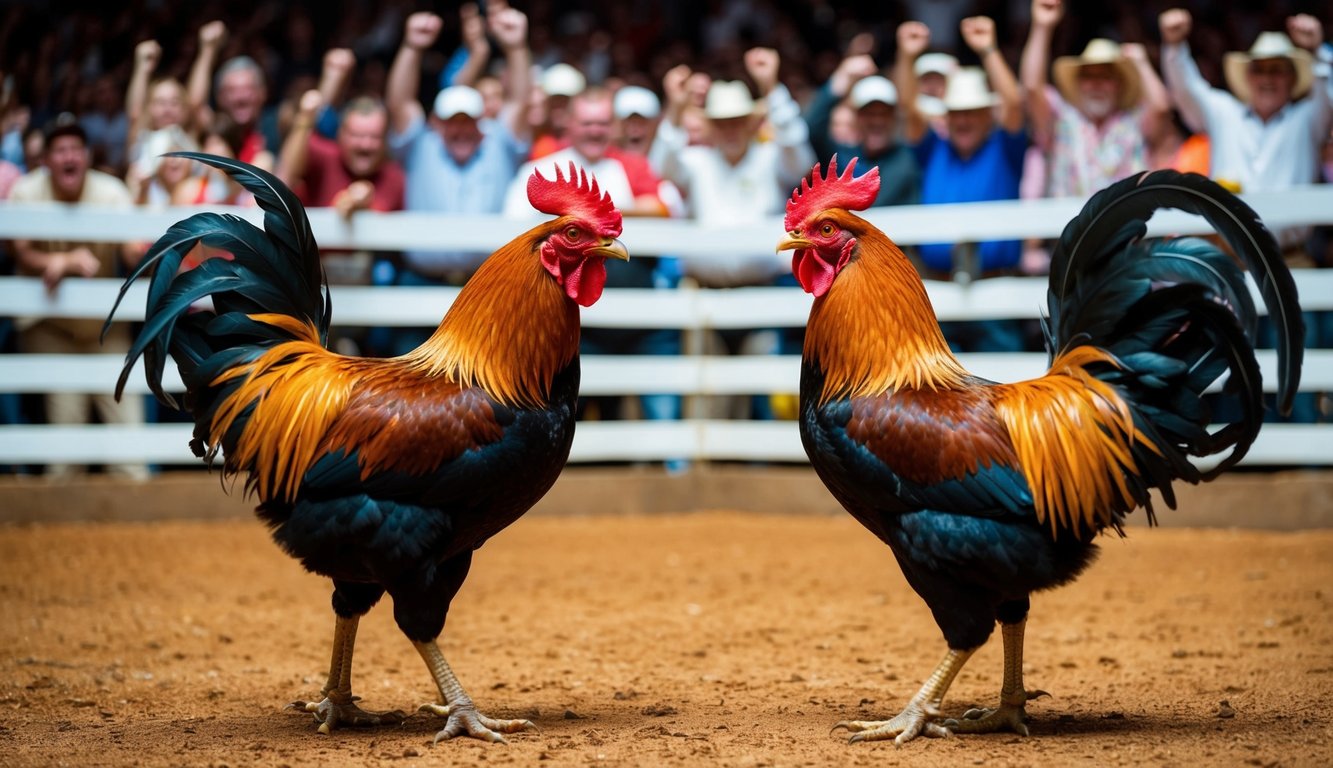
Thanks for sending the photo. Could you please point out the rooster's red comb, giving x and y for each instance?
(819, 193)
(576, 196)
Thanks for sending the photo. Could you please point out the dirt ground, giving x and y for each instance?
(720, 639)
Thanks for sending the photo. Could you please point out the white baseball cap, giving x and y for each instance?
(459, 100)
(634, 100)
(563, 80)
(941, 63)
(872, 89)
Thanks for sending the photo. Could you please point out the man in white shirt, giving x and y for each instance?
(1266, 136)
(739, 179)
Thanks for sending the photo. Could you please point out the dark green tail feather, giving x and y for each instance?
(273, 270)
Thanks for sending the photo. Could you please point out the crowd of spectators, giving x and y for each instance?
(711, 110)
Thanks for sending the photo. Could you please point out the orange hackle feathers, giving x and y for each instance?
(513, 356)
(819, 193)
(576, 196)
(875, 330)
(1073, 434)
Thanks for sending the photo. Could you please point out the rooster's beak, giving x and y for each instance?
(792, 242)
(611, 248)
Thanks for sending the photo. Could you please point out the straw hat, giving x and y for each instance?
(727, 99)
(1269, 45)
(1098, 51)
(968, 90)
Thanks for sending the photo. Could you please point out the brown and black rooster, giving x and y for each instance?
(988, 492)
(382, 474)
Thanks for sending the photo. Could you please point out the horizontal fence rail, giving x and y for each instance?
(687, 309)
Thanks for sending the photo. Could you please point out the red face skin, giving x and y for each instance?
(829, 250)
(576, 258)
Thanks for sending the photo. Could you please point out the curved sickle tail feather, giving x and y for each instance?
(1176, 314)
(273, 271)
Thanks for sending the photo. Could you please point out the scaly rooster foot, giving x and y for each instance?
(1009, 716)
(915, 720)
(468, 721)
(331, 714)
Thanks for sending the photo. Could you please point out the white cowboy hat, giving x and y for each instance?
(1098, 51)
(871, 89)
(1269, 45)
(727, 99)
(968, 90)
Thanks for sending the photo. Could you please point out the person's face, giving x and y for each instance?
(933, 84)
(241, 95)
(732, 136)
(876, 123)
(361, 142)
(1271, 82)
(492, 96)
(590, 127)
(1098, 89)
(166, 104)
(67, 161)
(637, 130)
(968, 129)
(462, 137)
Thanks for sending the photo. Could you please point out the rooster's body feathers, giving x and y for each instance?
(987, 492)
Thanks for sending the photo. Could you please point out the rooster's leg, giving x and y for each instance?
(918, 717)
(1011, 715)
(338, 707)
(462, 714)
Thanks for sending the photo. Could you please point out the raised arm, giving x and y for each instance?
(1032, 68)
(337, 70)
(296, 145)
(790, 133)
(979, 34)
(146, 56)
(1307, 32)
(400, 91)
(1186, 87)
(509, 27)
(913, 39)
(1156, 103)
(211, 37)
(478, 48)
(670, 141)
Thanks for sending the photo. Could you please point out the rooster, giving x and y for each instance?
(988, 492)
(382, 474)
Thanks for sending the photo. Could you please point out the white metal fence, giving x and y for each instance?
(686, 309)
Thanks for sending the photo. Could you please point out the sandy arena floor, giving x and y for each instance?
(707, 639)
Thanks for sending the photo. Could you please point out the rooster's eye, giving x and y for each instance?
(827, 230)
(573, 234)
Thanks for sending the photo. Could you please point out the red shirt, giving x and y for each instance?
(326, 176)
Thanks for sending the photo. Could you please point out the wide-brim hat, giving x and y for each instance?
(968, 90)
(1098, 51)
(728, 99)
(1269, 45)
